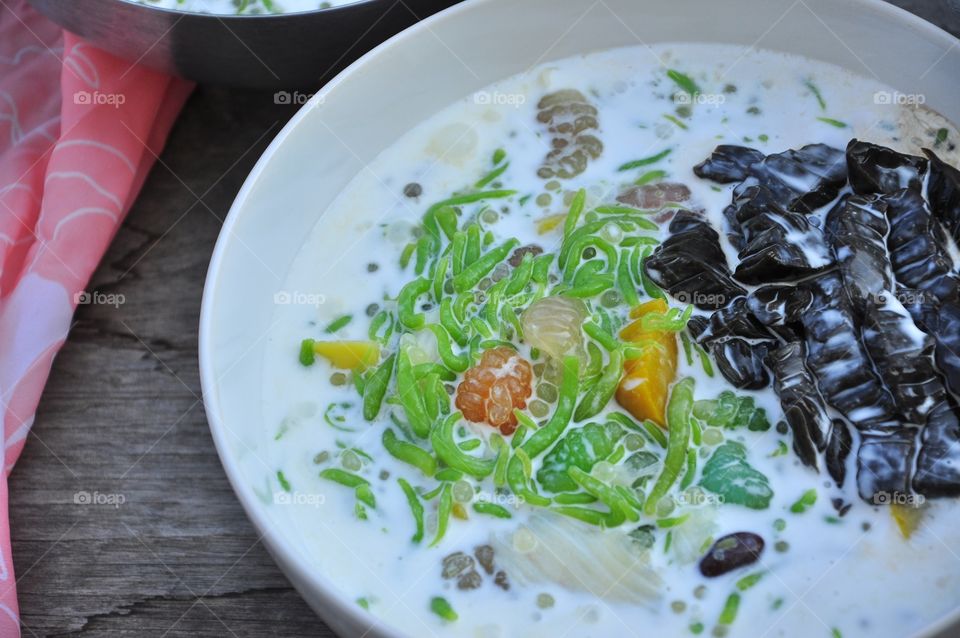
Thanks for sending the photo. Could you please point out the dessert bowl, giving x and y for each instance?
(293, 50)
(454, 55)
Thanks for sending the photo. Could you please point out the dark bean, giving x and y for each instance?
(372, 309)
(782, 427)
(731, 552)
(518, 254)
(484, 554)
(469, 580)
(841, 507)
(589, 252)
(501, 581)
(413, 190)
(372, 267)
(455, 564)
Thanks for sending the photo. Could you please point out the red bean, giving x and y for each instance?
(731, 552)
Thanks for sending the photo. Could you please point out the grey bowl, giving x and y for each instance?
(265, 51)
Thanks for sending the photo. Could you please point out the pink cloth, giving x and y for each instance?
(79, 130)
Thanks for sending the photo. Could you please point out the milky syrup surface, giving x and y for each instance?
(854, 575)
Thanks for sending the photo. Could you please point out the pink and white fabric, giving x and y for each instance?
(79, 130)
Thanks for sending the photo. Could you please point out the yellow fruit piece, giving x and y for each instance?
(550, 223)
(348, 355)
(907, 518)
(645, 385)
(649, 307)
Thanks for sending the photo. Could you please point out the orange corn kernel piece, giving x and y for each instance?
(348, 355)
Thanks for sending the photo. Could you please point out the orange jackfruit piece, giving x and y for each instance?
(645, 385)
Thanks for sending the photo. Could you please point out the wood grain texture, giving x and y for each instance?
(122, 420)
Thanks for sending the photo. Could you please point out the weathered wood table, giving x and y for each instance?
(123, 521)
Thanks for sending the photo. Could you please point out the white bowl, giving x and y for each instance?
(415, 74)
